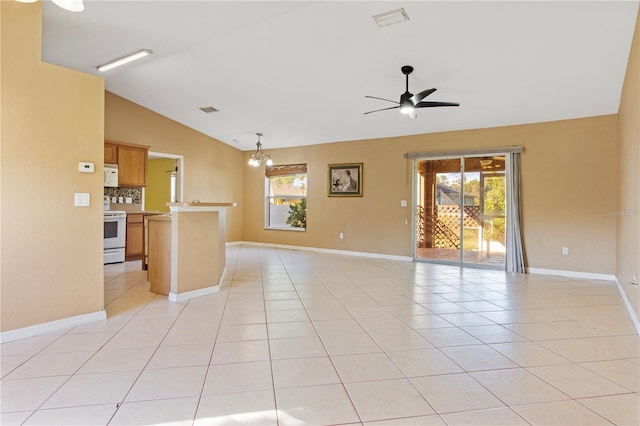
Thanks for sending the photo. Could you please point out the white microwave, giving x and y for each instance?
(111, 175)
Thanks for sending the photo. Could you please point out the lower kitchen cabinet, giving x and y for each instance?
(135, 237)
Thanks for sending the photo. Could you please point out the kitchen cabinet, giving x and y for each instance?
(110, 153)
(131, 160)
(132, 165)
(135, 237)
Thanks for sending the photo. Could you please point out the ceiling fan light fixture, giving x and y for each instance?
(258, 157)
(410, 102)
(124, 60)
(70, 5)
(407, 108)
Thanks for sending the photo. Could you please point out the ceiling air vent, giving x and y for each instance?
(208, 109)
(390, 18)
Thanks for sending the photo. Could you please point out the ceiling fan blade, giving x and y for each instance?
(435, 104)
(420, 96)
(382, 99)
(383, 109)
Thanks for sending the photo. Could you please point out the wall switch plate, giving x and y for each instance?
(85, 167)
(403, 203)
(565, 251)
(341, 235)
(82, 199)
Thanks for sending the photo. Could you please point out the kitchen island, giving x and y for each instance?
(187, 250)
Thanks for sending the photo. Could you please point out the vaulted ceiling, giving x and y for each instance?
(298, 71)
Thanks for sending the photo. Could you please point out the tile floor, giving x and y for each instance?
(298, 337)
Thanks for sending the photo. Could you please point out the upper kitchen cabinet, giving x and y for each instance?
(110, 153)
(132, 163)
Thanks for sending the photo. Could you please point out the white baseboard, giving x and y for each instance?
(48, 327)
(572, 274)
(329, 251)
(592, 276)
(627, 304)
(181, 297)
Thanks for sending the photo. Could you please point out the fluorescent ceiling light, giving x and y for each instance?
(70, 5)
(124, 60)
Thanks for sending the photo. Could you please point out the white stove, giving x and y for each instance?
(115, 235)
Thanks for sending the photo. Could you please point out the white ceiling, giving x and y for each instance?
(298, 71)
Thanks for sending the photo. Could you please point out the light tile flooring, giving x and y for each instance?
(298, 337)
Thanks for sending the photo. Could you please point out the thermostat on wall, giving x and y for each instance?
(85, 167)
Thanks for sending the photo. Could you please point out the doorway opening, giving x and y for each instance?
(461, 210)
(164, 181)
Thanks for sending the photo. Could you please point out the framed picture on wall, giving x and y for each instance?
(345, 180)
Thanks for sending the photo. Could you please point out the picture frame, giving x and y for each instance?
(345, 180)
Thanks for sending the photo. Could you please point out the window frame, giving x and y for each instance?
(276, 171)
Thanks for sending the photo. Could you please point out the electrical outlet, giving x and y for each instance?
(341, 236)
(565, 250)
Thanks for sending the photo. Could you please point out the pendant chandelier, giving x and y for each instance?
(258, 157)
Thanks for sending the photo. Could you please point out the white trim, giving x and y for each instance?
(47, 327)
(572, 274)
(627, 304)
(181, 297)
(330, 251)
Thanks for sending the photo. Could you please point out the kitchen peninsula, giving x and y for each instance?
(187, 250)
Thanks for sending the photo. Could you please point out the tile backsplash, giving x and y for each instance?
(134, 193)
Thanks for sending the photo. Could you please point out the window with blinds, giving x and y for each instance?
(286, 197)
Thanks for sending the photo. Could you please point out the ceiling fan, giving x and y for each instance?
(408, 101)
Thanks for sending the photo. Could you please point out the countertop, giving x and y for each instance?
(200, 204)
(160, 217)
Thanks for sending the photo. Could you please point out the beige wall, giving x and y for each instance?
(158, 191)
(212, 169)
(568, 181)
(628, 247)
(52, 118)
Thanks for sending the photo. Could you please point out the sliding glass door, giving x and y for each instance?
(460, 210)
(484, 217)
(438, 210)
